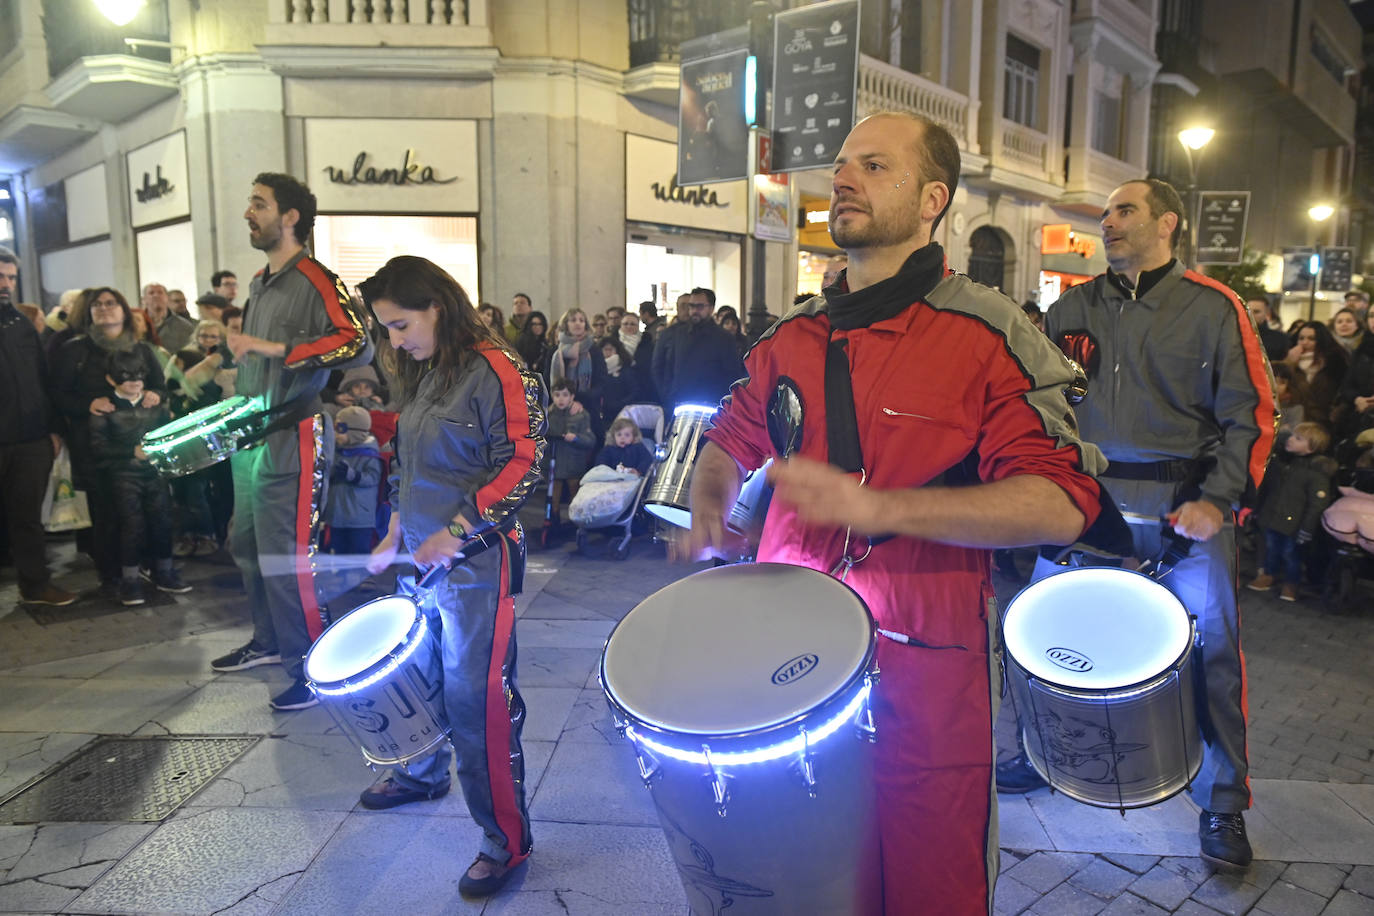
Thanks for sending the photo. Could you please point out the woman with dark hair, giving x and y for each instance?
(492, 316)
(81, 391)
(532, 343)
(1322, 362)
(469, 442)
(1355, 403)
(619, 388)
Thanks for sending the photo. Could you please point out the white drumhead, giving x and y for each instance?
(736, 648)
(1095, 628)
(360, 639)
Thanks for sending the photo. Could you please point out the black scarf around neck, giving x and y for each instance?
(918, 275)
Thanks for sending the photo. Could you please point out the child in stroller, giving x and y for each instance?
(611, 491)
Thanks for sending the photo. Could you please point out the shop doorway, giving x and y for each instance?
(354, 247)
(661, 267)
(987, 260)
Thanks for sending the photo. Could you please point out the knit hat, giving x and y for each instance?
(360, 374)
(354, 418)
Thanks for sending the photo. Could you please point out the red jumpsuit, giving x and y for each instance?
(960, 374)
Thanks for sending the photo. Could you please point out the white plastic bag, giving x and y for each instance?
(64, 506)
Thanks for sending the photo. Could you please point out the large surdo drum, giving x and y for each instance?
(378, 672)
(744, 690)
(1101, 674)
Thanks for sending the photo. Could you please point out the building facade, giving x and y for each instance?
(529, 145)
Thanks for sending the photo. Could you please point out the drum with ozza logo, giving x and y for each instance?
(1101, 674)
(744, 690)
(378, 672)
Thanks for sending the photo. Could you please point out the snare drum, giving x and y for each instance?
(669, 495)
(1102, 677)
(206, 436)
(744, 690)
(378, 672)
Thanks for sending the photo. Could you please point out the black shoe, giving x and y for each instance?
(131, 592)
(388, 793)
(1224, 844)
(170, 581)
(297, 696)
(1015, 776)
(245, 657)
(469, 886)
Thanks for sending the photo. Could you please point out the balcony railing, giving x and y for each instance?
(1023, 145)
(659, 27)
(883, 87)
(373, 12)
(75, 29)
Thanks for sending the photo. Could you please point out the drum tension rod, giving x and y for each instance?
(863, 719)
(719, 789)
(647, 771)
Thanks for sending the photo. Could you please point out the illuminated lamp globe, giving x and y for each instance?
(1195, 138)
(120, 12)
(1321, 212)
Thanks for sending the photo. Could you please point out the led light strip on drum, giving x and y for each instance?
(786, 748)
(693, 408)
(196, 426)
(385, 670)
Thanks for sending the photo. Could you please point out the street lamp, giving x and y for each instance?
(1318, 213)
(120, 12)
(1193, 140)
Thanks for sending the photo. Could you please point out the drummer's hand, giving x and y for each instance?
(437, 550)
(243, 344)
(151, 399)
(102, 406)
(1199, 520)
(383, 555)
(708, 537)
(822, 494)
(139, 453)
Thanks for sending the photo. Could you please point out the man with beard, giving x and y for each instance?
(696, 361)
(933, 428)
(1181, 401)
(520, 307)
(299, 325)
(27, 442)
(172, 329)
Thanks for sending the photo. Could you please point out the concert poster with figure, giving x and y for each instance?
(713, 134)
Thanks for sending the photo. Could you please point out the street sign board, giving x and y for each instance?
(815, 75)
(1297, 268)
(1337, 266)
(1221, 226)
(712, 129)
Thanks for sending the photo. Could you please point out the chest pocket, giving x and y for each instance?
(922, 414)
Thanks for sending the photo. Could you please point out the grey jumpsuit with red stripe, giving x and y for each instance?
(474, 449)
(279, 486)
(1180, 374)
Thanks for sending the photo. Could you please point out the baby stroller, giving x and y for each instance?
(613, 508)
(1350, 522)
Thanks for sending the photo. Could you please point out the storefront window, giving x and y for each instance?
(355, 247)
(167, 255)
(659, 269)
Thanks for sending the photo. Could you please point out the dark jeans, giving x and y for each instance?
(1282, 556)
(143, 506)
(24, 469)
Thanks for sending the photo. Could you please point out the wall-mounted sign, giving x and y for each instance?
(396, 165)
(1059, 238)
(770, 204)
(815, 73)
(712, 126)
(1221, 226)
(158, 187)
(654, 195)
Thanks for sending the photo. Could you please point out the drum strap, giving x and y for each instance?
(841, 422)
(287, 416)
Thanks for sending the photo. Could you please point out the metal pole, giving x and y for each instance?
(761, 45)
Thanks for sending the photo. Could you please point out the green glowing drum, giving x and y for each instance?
(206, 436)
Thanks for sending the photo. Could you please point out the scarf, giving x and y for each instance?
(124, 340)
(631, 341)
(918, 275)
(574, 361)
(613, 364)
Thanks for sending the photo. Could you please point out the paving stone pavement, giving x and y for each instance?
(279, 831)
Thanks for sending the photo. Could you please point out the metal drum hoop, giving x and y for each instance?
(388, 662)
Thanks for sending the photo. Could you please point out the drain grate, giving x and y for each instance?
(124, 779)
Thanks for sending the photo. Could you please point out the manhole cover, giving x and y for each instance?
(123, 779)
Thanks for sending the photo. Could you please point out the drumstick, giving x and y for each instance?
(287, 564)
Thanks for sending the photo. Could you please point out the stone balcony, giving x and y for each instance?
(883, 87)
(1092, 176)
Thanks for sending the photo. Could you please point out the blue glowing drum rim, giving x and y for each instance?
(378, 671)
(206, 436)
(1102, 678)
(744, 690)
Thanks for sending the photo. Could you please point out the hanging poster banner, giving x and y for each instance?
(1221, 226)
(712, 124)
(815, 78)
(770, 202)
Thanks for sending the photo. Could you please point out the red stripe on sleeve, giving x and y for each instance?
(517, 429)
(344, 329)
(1257, 366)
